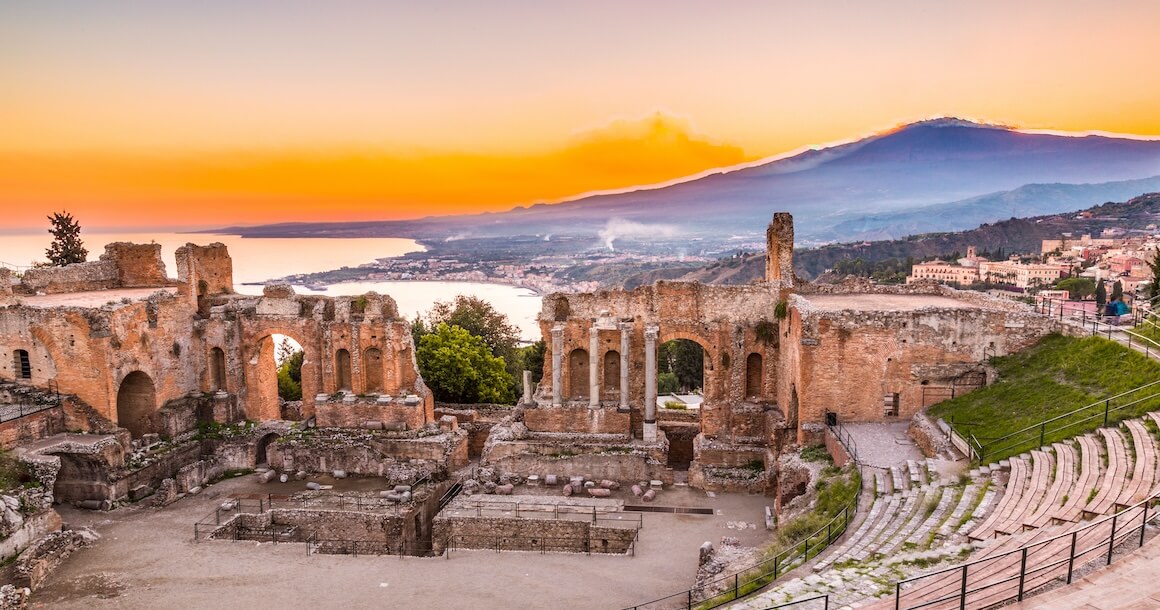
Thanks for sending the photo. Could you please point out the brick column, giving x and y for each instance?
(625, 338)
(593, 368)
(650, 383)
(557, 365)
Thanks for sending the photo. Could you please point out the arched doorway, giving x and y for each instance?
(578, 374)
(260, 458)
(680, 367)
(753, 376)
(217, 369)
(342, 374)
(21, 364)
(137, 404)
(373, 370)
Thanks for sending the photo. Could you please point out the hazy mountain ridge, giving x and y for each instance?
(942, 161)
(1013, 235)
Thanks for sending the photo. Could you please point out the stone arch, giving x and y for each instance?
(578, 374)
(137, 404)
(373, 370)
(21, 364)
(753, 375)
(611, 371)
(260, 450)
(217, 369)
(342, 373)
(261, 376)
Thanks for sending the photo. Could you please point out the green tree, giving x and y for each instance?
(1154, 287)
(686, 360)
(532, 358)
(1117, 291)
(459, 367)
(481, 319)
(290, 376)
(667, 383)
(66, 247)
(1101, 295)
(1077, 287)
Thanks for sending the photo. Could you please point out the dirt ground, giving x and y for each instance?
(147, 558)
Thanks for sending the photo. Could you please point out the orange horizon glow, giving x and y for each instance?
(210, 114)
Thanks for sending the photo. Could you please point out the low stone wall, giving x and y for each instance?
(93, 275)
(577, 419)
(343, 415)
(165, 467)
(529, 535)
(31, 427)
(35, 527)
(44, 556)
(614, 462)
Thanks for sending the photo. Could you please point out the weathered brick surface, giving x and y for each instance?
(529, 535)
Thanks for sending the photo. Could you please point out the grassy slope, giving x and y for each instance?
(1058, 375)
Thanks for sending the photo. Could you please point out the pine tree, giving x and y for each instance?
(1154, 288)
(66, 247)
(1117, 291)
(1101, 295)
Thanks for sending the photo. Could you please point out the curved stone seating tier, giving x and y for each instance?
(1016, 483)
(1144, 469)
(1062, 484)
(1038, 483)
(1116, 477)
(1090, 475)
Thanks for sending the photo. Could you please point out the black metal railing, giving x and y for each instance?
(1012, 575)
(1107, 410)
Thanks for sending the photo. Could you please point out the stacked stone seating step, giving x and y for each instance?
(996, 581)
(1115, 478)
(1144, 468)
(1062, 484)
(1090, 475)
(1034, 493)
(1013, 492)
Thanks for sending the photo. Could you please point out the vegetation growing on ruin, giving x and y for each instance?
(1056, 376)
(837, 489)
(13, 472)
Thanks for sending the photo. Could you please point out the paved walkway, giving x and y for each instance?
(883, 445)
(1131, 583)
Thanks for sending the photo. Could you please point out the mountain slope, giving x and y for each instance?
(922, 164)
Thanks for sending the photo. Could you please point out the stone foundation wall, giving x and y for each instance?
(35, 527)
(563, 459)
(44, 556)
(529, 535)
(336, 414)
(31, 427)
(577, 419)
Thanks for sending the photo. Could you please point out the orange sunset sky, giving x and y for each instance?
(203, 114)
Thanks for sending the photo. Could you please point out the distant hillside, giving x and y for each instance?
(1014, 235)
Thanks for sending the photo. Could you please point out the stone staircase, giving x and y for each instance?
(918, 522)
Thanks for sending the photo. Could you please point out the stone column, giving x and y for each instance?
(625, 338)
(527, 388)
(593, 368)
(557, 365)
(650, 383)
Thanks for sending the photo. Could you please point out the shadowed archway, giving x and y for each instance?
(137, 404)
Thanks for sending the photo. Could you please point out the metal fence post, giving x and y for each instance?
(963, 591)
(1071, 558)
(1112, 539)
(1022, 573)
(1144, 522)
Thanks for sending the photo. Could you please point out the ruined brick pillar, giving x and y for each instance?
(557, 365)
(650, 383)
(625, 337)
(593, 368)
(779, 248)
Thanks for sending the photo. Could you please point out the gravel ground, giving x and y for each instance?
(146, 558)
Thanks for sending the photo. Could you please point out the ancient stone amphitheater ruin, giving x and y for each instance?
(121, 385)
